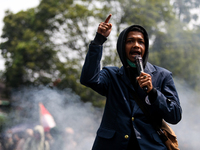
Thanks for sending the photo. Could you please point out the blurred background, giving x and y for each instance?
(43, 44)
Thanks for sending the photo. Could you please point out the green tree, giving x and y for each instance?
(183, 9)
(75, 29)
(178, 51)
(31, 46)
(151, 14)
(28, 51)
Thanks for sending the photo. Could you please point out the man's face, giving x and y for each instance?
(135, 45)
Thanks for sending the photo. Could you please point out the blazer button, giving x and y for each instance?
(126, 136)
(169, 100)
(132, 118)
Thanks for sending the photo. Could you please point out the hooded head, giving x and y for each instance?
(121, 43)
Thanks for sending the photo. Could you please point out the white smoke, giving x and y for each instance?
(77, 121)
(187, 130)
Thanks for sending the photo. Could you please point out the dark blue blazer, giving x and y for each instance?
(119, 117)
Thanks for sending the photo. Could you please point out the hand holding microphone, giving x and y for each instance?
(143, 79)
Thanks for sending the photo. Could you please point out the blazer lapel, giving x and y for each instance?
(149, 69)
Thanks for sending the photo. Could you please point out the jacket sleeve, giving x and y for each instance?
(92, 75)
(167, 103)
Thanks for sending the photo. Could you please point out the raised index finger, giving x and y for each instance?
(108, 18)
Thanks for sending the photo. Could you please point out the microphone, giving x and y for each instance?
(139, 66)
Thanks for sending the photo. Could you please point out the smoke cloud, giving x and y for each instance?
(187, 130)
(77, 121)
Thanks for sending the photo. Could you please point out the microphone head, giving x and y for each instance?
(139, 64)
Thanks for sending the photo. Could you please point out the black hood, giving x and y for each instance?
(121, 45)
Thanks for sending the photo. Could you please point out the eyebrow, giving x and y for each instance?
(134, 38)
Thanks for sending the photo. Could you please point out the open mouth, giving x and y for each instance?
(135, 52)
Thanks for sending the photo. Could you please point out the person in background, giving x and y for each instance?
(57, 141)
(19, 140)
(124, 126)
(8, 143)
(69, 138)
(37, 141)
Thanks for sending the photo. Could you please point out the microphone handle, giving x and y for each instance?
(145, 88)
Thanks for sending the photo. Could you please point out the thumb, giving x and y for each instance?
(142, 74)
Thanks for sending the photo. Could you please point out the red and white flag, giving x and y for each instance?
(46, 118)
